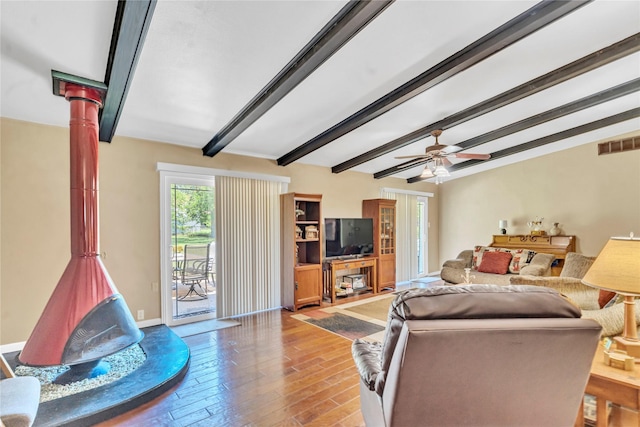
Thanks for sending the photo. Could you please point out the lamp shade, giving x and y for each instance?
(502, 223)
(617, 267)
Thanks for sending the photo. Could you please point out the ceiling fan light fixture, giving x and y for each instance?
(440, 169)
(427, 172)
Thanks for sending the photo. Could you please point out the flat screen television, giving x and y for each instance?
(348, 237)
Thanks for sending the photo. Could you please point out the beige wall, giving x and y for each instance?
(592, 197)
(34, 187)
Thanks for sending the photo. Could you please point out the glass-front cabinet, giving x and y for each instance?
(387, 230)
(383, 212)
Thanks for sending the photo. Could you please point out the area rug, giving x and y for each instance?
(202, 327)
(378, 309)
(364, 319)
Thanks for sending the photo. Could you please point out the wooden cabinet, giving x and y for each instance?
(307, 282)
(301, 242)
(558, 246)
(383, 212)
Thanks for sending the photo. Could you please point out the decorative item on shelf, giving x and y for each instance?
(536, 227)
(617, 269)
(467, 277)
(340, 291)
(311, 232)
(297, 257)
(555, 230)
(502, 224)
(356, 281)
(299, 211)
(347, 287)
(616, 358)
(298, 232)
(619, 359)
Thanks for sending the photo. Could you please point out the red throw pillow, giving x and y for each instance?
(605, 297)
(495, 262)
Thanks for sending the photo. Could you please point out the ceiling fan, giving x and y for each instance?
(436, 157)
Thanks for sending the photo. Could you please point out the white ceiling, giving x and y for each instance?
(203, 61)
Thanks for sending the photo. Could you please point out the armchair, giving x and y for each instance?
(587, 298)
(19, 398)
(481, 355)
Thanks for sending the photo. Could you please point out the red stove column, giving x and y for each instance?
(85, 318)
(84, 169)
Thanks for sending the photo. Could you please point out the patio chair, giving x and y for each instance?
(196, 268)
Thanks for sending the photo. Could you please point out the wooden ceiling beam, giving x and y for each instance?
(130, 29)
(514, 30)
(538, 119)
(588, 127)
(343, 26)
(580, 66)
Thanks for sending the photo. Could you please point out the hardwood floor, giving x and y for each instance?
(272, 370)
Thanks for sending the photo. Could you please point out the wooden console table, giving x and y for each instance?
(367, 266)
(614, 385)
(558, 246)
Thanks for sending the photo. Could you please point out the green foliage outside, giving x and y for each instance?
(192, 214)
(201, 238)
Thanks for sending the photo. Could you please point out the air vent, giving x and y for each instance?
(619, 146)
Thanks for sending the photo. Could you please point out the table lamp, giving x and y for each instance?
(502, 224)
(617, 269)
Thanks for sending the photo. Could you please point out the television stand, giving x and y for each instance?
(365, 265)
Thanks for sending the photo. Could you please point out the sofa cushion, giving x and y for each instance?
(478, 253)
(576, 265)
(520, 257)
(604, 297)
(495, 262)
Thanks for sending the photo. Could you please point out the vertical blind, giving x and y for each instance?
(406, 234)
(248, 230)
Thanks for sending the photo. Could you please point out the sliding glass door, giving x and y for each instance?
(412, 221)
(189, 287)
(219, 240)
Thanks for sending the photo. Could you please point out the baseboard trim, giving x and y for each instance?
(8, 348)
(149, 322)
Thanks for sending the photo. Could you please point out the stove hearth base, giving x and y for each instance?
(166, 365)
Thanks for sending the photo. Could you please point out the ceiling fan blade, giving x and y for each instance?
(417, 156)
(471, 156)
(450, 149)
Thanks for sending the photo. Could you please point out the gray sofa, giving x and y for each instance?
(453, 270)
(477, 355)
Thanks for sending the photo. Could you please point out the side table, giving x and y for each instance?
(614, 385)
(367, 265)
